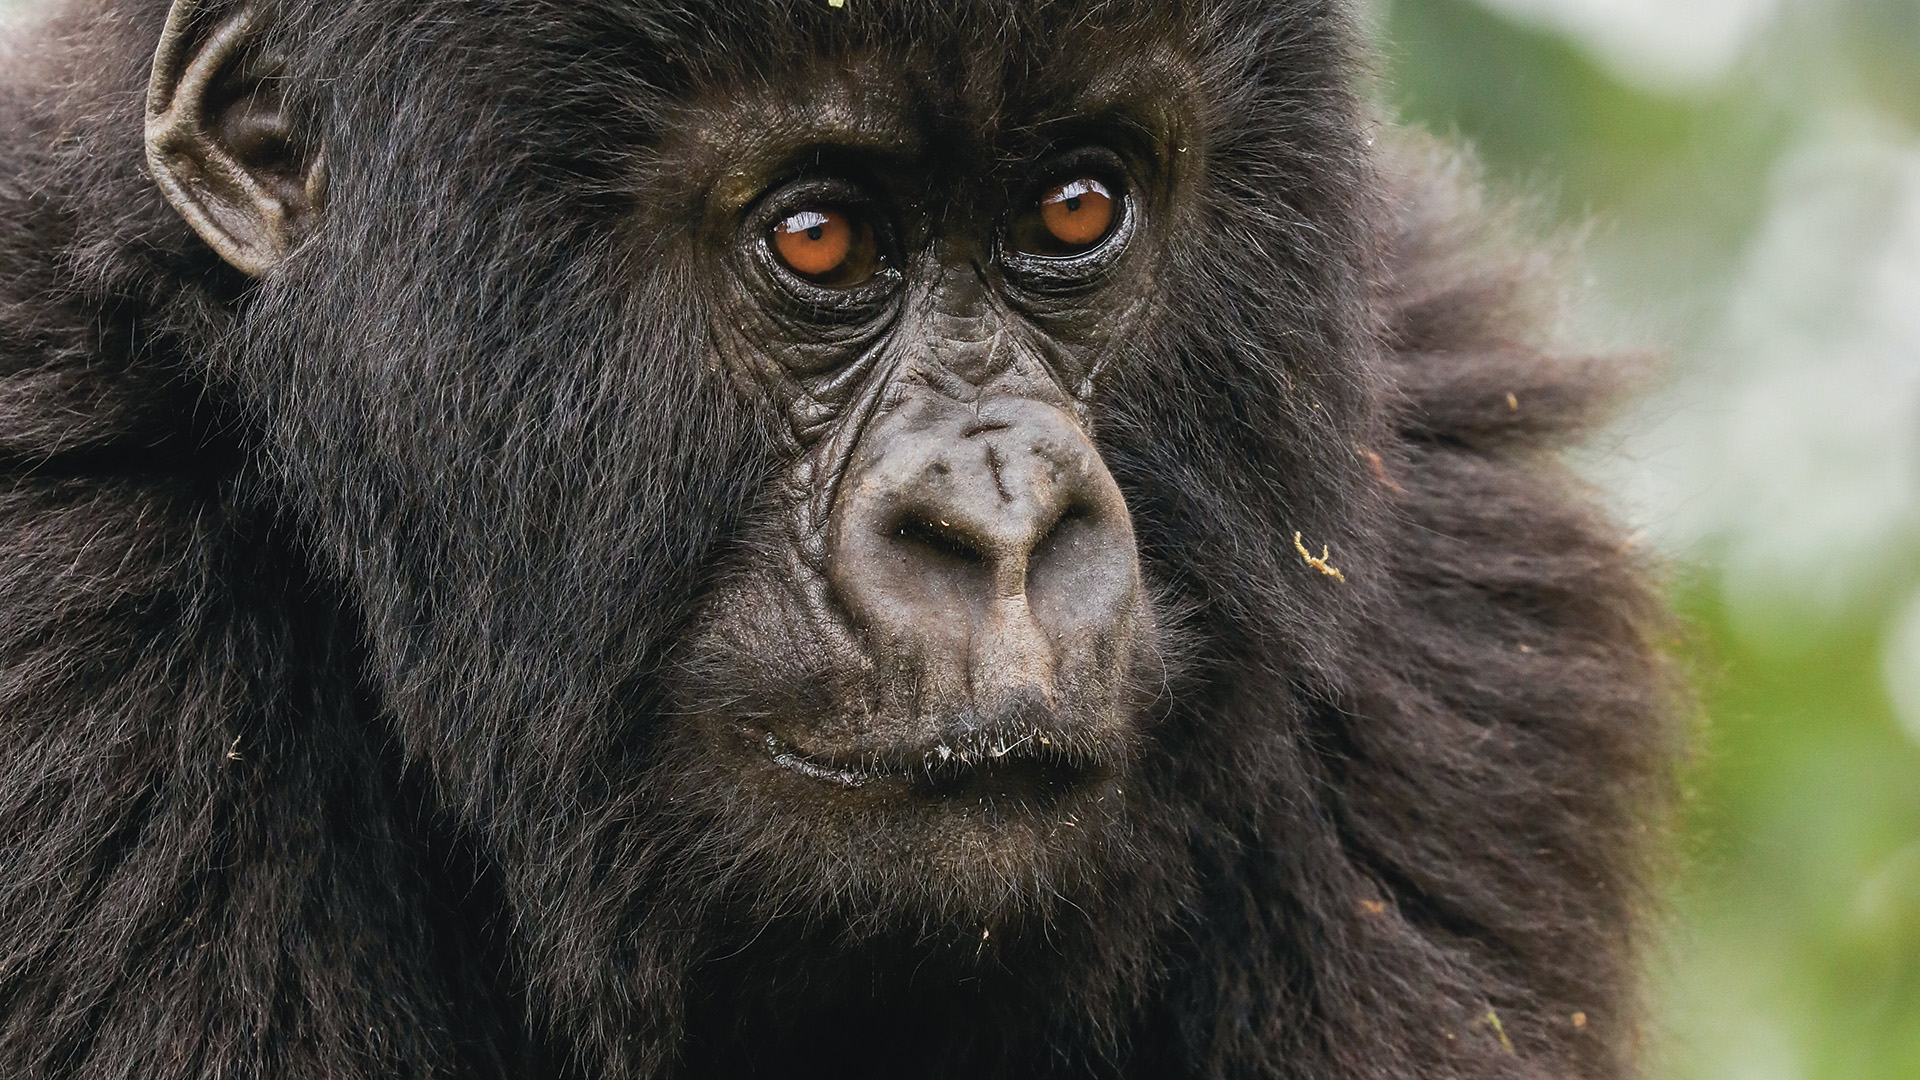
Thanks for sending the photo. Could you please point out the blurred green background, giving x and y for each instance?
(1747, 175)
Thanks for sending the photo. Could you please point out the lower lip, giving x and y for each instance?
(875, 779)
(785, 758)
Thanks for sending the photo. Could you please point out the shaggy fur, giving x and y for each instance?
(342, 613)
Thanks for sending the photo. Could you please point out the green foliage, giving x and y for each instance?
(1795, 947)
(1801, 912)
(1530, 102)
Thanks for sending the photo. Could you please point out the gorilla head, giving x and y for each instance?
(853, 291)
(821, 500)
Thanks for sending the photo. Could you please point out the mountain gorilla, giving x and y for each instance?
(607, 538)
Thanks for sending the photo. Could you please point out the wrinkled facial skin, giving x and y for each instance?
(942, 638)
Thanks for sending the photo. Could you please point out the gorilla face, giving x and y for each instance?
(943, 631)
(785, 444)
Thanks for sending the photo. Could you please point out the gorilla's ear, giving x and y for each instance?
(219, 142)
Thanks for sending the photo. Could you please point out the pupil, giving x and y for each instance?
(813, 232)
(1073, 202)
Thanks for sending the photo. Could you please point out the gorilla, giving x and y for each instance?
(857, 538)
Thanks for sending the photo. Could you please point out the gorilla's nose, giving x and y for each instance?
(986, 550)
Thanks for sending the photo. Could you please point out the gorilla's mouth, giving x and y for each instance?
(1033, 765)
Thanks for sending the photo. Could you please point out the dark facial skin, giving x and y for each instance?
(946, 633)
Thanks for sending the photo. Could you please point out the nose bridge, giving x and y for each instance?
(964, 333)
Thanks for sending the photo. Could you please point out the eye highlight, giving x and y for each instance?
(1067, 219)
(827, 246)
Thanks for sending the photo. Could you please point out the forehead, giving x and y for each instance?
(953, 98)
(976, 48)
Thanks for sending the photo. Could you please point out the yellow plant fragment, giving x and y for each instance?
(1493, 1020)
(1320, 563)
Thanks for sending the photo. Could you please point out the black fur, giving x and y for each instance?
(342, 613)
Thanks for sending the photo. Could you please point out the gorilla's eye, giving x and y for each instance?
(827, 246)
(1078, 212)
(1067, 219)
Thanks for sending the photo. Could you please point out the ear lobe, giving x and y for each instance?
(218, 140)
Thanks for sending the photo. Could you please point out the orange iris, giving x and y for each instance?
(814, 243)
(1077, 213)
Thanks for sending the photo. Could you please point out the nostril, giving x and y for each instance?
(1060, 525)
(938, 539)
